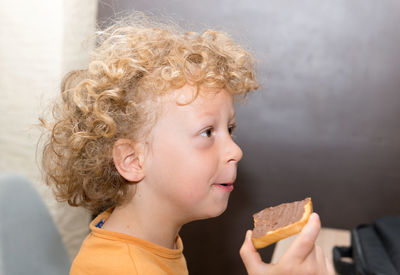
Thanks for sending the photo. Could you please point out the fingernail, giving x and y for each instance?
(248, 234)
(315, 217)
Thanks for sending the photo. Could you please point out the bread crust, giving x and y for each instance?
(283, 232)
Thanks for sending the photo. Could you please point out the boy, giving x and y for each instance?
(145, 132)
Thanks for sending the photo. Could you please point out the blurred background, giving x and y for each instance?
(324, 123)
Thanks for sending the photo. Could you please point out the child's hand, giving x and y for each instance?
(302, 257)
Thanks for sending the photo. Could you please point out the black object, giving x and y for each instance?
(374, 250)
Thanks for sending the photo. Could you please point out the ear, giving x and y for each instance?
(128, 159)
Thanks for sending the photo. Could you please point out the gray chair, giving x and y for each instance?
(29, 240)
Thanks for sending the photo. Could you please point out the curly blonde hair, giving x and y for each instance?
(135, 61)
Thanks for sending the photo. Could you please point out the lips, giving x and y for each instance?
(225, 186)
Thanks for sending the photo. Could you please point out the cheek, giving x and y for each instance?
(188, 171)
(184, 158)
(194, 177)
(196, 166)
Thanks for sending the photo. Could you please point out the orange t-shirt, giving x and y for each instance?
(107, 252)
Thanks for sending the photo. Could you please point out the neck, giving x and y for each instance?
(145, 219)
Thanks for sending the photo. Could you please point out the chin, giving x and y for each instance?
(213, 213)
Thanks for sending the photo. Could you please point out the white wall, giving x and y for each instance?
(40, 40)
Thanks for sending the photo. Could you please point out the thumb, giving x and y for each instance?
(303, 245)
(251, 258)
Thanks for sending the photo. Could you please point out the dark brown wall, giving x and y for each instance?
(324, 124)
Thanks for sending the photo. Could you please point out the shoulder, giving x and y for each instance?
(103, 256)
(108, 252)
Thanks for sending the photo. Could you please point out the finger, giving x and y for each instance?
(251, 258)
(329, 266)
(311, 259)
(316, 262)
(303, 245)
(320, 260)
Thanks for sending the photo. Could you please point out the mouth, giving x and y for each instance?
(225, 186)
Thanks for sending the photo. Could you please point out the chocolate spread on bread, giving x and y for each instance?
(282, 215)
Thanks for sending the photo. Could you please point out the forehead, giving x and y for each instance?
(179, 114)
(206, 101)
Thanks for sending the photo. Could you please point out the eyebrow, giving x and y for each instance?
(207, 114)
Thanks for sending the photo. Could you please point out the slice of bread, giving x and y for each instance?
(275, 223)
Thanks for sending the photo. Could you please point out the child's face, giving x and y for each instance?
(192, 154)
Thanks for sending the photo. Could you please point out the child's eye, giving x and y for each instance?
(207, 132)
(231, 128)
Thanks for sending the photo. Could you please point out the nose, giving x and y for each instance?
(234, 153)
